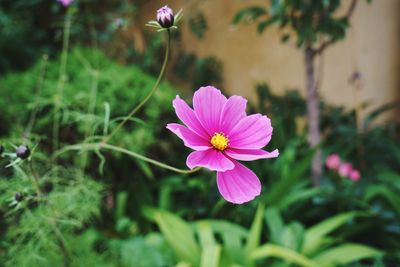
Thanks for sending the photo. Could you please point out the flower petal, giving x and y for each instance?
(252, 132)
(208, 103)
(239, 185)
(233, 111)
(250, 154)
(189, 138)
(211, 159)
(188, 117)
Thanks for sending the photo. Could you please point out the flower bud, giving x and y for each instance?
(18, 196)
(23, 152)
(47, 187)
(165, 17)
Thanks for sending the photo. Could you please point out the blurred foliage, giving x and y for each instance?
(23, 37)
(92, 209)
(104, 217)
(310, 21)
(221, 243)
(198, 71)
(315, 25)
(111, 26)
(39, 227)
(198, 25)
(88, 72)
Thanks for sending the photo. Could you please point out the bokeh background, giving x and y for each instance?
(370, 49)
(70, 73)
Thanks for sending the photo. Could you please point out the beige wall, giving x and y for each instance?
(371, 48)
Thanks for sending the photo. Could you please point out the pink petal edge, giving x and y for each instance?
(239, 185)
(252, 132)
(250, 154)
(233, 111)
(208, 103)
(211, 159)
(188, 117)
(190, 139)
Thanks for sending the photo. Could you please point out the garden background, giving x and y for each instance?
(83, 195)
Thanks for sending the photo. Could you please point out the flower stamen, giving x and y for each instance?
(220, 141)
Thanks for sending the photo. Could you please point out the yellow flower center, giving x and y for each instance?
(220, 141)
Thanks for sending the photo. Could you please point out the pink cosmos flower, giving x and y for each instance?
(221, 133)
(65, 2)
(345, 169)
(333, 162)
(354, 175)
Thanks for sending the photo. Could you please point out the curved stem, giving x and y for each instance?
(35, 178)
(124, 151)
(151, 93)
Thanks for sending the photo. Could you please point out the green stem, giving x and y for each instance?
(151, 93)
(91, 110)
(62, 79)
(35, 109)
(94, 146)
(35, 178)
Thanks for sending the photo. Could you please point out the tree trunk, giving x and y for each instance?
(313, 116)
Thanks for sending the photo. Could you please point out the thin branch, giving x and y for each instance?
(351, 9)
(151, 93)
(96, 146)
(325, 44)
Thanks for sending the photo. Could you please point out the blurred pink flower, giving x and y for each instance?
(333, 161)
(220, 132)
(354, 175)
(345, 169)
(65, 2)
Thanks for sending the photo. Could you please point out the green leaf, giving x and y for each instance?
(285, 38)
(275, 224)
(210, 256)
(296, 171)
(144, 166)
(285, 254)
(121, 200)
(346, 254)
(232, 236)
(264, 24)
(392, 178)
(379, 111)
(316, 234)
(178, 16)
(179, 235)
(205, 233)
(381, 190)
(298, 196)
(252, 13)
(106, 121)
(253, 240)
(292, 236)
